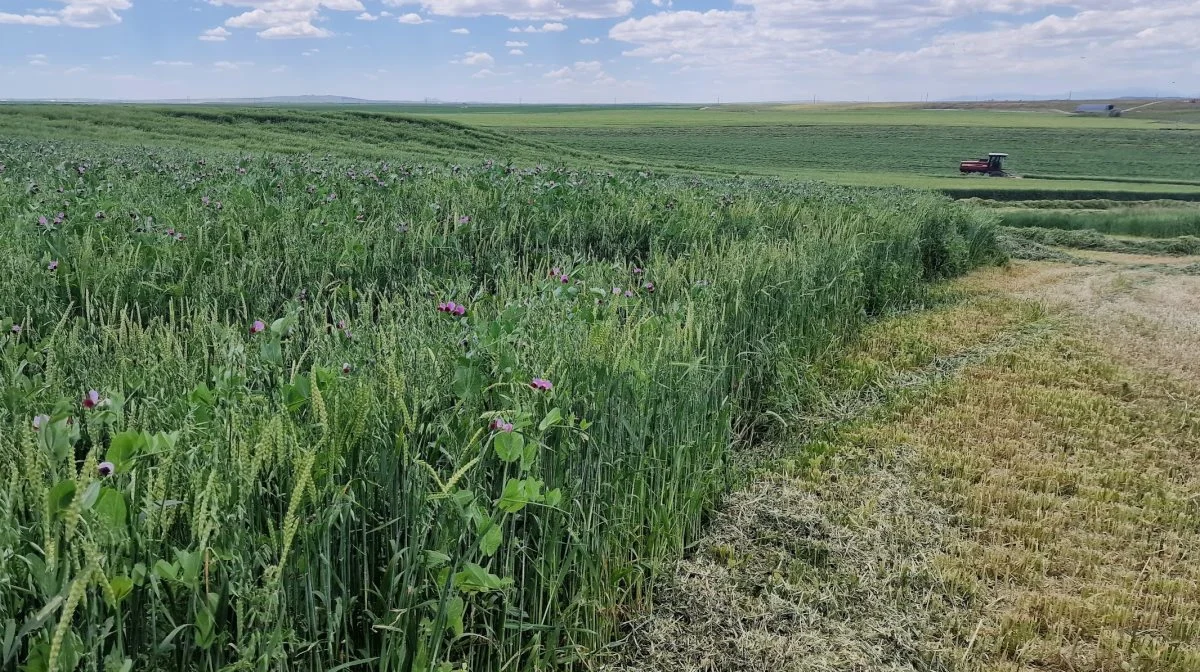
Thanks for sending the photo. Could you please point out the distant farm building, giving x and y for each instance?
(1107, 110)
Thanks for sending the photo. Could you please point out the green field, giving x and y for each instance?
(335, 389)
(1126, 158)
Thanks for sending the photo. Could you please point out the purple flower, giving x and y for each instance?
(346, 369)
(649, 287)
(341, 324)
(52, 266)
(205, 200)
(331, 198)
(42, 221)
(616, 290)
(541, 384)
(638, 271)
(40, 421)
(16, 329)
(464, 220)
(628, 293)
(499, 425)
(257, 327)
(564, 279)
(91, 400)
(105, 469)
(171, 232)
(555, 271)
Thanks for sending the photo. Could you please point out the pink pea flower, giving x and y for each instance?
(16, 329)
(555, 271)
(638, 271)
(42, 221)
(628, 293)
(91, 400)
(499, 425)
(541, 384)
(40, 421)
(105, 469)
(258, 327)
(346, 369)
(616, 290)
(649, 287)
(52, 266)
(205, 200)
(341, 324)
(464, 220)
(460, 310)
(564, 279)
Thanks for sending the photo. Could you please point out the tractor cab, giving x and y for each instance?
(992, 164)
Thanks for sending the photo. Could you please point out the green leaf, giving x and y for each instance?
(518, 493)
(455, 608)
(468, 380)
(434, 559)
(509, 446)
(60, 496)
(166, 570)
(122, 586)
(491, 540)
(550, 420)
(476, 579)
(111, 510)
(554, 498)
(123, 448)
(89, 496)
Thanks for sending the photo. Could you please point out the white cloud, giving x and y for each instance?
(412, 19)
(516, 44)
(77, 70)
(285, 19)
(232, 65)
(516, 52)
(38, 62)
(482, 74)
(279, 68)
(546, 28)
(476, 58)
(900, 50)
(75, 13)
(310, 52)
(531, 10)
(461, 31)
(218, 34)
(590, 40)
(173, 64)
(367, 16)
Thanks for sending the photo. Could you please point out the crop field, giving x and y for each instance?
(337, 389)
(277, 411)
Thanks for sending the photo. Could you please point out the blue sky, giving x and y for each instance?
(594, 50)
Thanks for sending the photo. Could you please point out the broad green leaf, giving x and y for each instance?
(491, 540)
(509, 446)
(111, 510)
(476, 579)
(122, 586)
(123, 448)
(455, 608)
(554, 498)
(60, 496)
(518, 493)
(550, 420)
(90, 494)
(468, 380)
(166, 570)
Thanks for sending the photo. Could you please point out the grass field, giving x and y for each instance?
(1129, 159)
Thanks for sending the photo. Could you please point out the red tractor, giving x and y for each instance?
(992, 165)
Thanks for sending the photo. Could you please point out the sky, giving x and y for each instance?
(596, 51)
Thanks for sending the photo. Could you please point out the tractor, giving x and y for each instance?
(991, 165)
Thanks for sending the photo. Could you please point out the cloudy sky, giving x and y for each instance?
(595, 50)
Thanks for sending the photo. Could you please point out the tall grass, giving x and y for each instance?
(314, 468)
